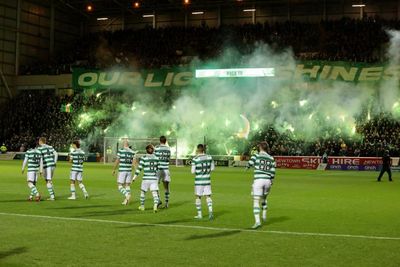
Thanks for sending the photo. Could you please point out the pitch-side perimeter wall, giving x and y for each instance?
(334, 163)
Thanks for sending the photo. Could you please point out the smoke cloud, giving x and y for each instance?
(218, 108)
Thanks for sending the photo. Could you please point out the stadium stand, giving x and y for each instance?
(20, 128)
(345, 39)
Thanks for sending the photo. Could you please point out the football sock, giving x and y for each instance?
(155, 197)
(72, 188)
(83, 188)
(264, 208)
(209, 204)
(50, 189)
(198, 207)
(33, 188)
(166, 196)
(256, 209)
(142, 197)
(128, 190)
(122, 190)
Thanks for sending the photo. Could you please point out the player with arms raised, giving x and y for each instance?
(264, 174)
(124, 162)
(163, 153)
(50, 157)
(77, 157)
(202, 166)
(149, 163)
(34, 160)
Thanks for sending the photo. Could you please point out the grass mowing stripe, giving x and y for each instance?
(202, 227)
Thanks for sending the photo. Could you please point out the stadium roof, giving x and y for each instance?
(108, 7)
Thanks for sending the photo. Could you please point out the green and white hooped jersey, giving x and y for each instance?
(33, 156)
(125, 156)
(264, 166)
(149, 163)
(163, 153)
(77, 157)
(48, 154)
(202, 165)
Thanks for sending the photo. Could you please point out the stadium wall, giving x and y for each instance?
(333, 163)
(32, 31)
(40, 82)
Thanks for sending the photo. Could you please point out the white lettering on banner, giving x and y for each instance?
(103, 78)
(127, 78)
(311, 160)
(168, 79)
(335, 167)
(87, 79)
(372, 168)
(149, 81)
(352, 167)
(345, 161)
(130, 78)
(372, 162)
(183, 78)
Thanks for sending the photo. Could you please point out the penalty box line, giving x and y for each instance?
(202, 227)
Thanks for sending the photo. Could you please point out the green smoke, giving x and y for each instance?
(214, 108)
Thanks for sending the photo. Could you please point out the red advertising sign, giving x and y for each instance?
(340, 163)
(287, 162)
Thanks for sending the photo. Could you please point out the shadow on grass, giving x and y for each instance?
(219, 213)
(95, 196)
(272, 220)
(80, 207)
(104, 213)
(213, 235)
(176, 221)
(11, 252)
(178, 204)
(14, 200)
(135, 226)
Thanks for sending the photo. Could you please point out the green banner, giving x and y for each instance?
(178, 77)
(122, 79)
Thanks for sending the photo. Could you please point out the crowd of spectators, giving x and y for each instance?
(373, 137)
(34, 114)
(59, 118)
(345, 39)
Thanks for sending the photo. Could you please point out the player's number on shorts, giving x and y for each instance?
(265, 165)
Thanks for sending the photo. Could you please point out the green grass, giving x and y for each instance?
(331, 202)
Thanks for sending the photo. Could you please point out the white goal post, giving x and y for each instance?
(112, 144)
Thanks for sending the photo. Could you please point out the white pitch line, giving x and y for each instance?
(202, 227)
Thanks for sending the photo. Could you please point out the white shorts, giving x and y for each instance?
(125, 177)
(261, 187)
(202, 190)
(32, 176)
(48, 173)
(146, 185)
(76, 176)
(164, 176)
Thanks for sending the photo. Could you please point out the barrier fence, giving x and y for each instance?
(333, 163)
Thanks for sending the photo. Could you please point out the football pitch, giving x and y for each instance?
(315, 218)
